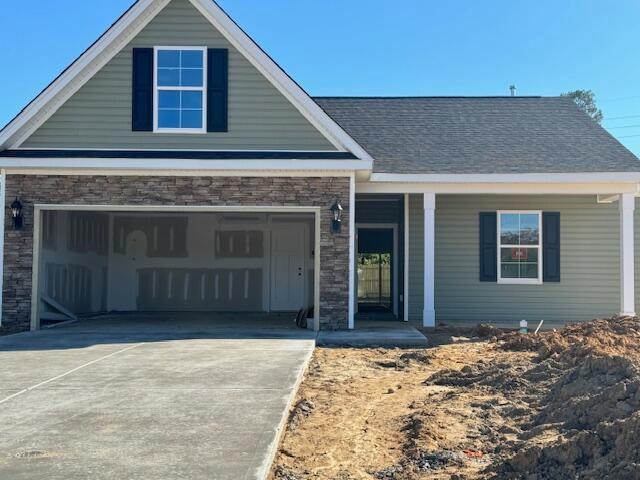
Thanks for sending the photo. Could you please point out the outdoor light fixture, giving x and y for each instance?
(16, 214)
(336, 212)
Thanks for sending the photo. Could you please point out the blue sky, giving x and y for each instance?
(380, 47)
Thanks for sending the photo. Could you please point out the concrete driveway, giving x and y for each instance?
(146, 397)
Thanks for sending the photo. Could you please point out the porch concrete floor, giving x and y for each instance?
(370, 333)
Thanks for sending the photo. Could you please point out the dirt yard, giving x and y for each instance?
(479, 404)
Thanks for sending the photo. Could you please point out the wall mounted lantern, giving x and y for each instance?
(336, 216)
(16, 214)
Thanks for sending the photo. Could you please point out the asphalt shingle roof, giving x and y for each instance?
(478, 135)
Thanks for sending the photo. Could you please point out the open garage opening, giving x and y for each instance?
(224, 265)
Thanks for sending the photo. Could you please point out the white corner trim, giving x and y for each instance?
(627, 254)
(274, 73)
(545, 178)
(316, 271)
(35, 267)
(79, 72)
(352, 251)
(429, 312)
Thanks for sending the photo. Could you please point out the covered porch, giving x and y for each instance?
(439, 271)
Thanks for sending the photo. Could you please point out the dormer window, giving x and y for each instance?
(180, 89)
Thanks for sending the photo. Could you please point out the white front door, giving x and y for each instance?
(288, 277)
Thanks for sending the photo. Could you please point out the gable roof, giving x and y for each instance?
(479, 135)
(126, 28)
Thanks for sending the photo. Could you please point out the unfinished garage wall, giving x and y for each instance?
(198, 262)
(73, 261)
(211, 191)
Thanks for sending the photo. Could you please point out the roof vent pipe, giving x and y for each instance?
(513, 90)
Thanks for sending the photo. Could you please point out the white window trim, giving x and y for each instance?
(202, 89)
(520, 281)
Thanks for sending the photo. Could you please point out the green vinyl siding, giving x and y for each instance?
(590, 274)
(98, 115)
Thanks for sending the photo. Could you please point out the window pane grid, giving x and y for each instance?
(180, 68)
(180, 77)
(519, 246)
(180, 89)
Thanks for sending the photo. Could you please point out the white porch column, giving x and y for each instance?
(405, 298)
(627, 205)
(429, 313)
(352, 251)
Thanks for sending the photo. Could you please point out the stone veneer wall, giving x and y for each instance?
(214, 191)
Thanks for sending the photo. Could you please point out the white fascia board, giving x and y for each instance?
(276, 75)
(208, 167)
(79, 72)
(589, 177)
(551, 188)
(73, 149)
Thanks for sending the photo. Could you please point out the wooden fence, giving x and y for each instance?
(374, 283)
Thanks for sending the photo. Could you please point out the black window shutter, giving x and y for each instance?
(142, 91)
(488, 247)
(217, 89)
(550, 246)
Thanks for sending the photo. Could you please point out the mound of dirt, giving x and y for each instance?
(504, 376)
(599, 389)
(612, 336)
(610, 451)
(582, 397)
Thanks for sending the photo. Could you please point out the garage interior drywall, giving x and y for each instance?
(93, 262)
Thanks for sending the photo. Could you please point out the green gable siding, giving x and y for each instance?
(99, 114)
(590, 275)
